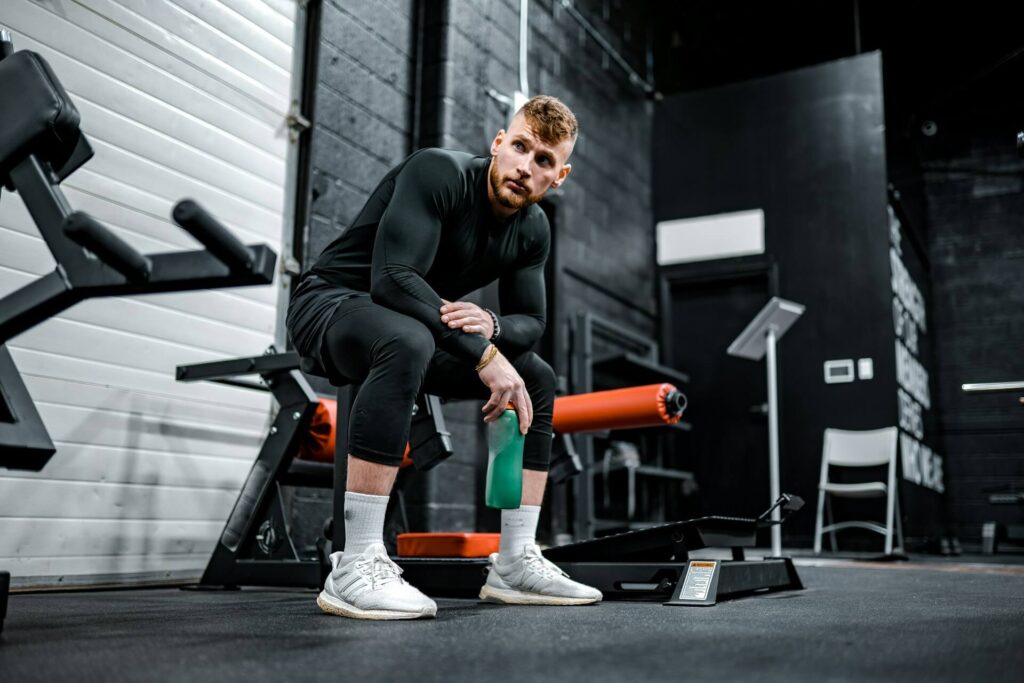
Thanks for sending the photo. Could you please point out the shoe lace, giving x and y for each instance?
(536, 562)
(381, 570)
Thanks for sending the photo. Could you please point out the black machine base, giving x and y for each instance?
(256, 548)
(647, 564)
(630, 581)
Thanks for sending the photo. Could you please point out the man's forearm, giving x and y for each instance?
(519, 332)
(404, 291)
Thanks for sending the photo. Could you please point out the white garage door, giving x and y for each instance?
(180, 98)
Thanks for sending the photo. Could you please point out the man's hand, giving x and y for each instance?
(469, 317)
(506, 386)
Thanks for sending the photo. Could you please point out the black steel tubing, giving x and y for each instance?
(86, 231)
(212, 235)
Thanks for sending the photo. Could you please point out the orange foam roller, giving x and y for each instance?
(318, 442)
(650, 405)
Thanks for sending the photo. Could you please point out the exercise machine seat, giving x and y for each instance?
(36, 116)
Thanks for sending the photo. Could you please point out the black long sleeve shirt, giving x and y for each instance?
(428, 232)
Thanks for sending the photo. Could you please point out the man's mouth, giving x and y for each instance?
(517, 187)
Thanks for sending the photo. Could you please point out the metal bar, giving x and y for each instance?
(187, 270)
(25, 308)
(177, 272)
(86, 231)
(213, 235)
(620, 333)
(48, 207)
(24, 442)
(773, 441)
(297, 406)
(242, 384)
(238, 366)
(582, 380)
(992, 387)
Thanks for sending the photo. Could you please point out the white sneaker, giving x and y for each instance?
(532, 579)
(370, 586)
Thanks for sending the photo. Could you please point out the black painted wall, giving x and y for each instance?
(808, 147)
(397, 75)
(975, 212)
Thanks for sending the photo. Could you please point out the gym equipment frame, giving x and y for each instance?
(41, 144)
(255, 548)
(639, 362)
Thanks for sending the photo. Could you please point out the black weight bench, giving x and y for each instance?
(255, 548)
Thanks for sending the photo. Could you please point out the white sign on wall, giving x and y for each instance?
(921, 465)
(703, 238)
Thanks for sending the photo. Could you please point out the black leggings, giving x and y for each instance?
(394, 358)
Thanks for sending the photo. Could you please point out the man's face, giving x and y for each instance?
(524, 167)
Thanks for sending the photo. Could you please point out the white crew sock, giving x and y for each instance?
(364, 521)
(518, 529)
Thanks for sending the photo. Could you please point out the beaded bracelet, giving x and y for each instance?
(497, 325)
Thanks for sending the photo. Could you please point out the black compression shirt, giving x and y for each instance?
(427, 232)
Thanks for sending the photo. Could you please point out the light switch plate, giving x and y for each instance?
(839, 371)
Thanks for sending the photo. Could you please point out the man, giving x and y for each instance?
(381, 307)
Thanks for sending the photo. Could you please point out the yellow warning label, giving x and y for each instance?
(702, 564)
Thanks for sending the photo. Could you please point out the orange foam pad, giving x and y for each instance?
(447, 545)
(629, 408)
(318, 442)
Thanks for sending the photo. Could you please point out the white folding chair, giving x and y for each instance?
(872, 448)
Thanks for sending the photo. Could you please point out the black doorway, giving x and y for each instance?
(704, 307)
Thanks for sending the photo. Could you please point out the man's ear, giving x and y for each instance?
(562, 175)
(496, 143)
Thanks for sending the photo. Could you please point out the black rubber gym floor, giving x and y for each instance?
(856, 622)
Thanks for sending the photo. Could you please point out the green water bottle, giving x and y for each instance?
(504, 462)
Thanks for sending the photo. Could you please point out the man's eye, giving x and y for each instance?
(519, 146)
(544, 161)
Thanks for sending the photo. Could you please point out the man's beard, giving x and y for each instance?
(505, 196)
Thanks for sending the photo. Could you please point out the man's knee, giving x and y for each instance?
(410, 349)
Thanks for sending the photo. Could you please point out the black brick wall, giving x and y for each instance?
(367, 118)
(361, 117)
